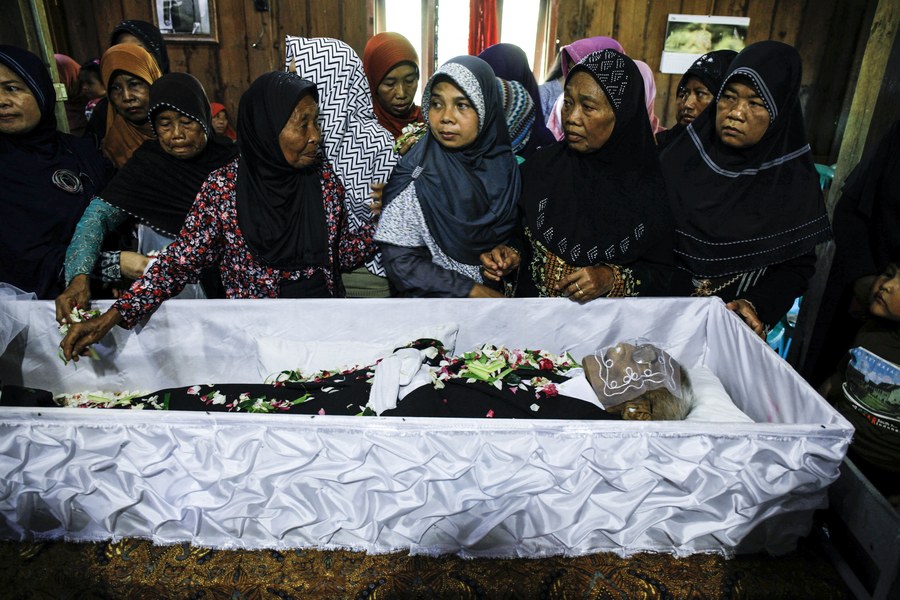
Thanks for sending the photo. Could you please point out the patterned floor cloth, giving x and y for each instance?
(137, 569)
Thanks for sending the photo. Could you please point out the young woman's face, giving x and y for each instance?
(180, 136)
(398, 89)
(130, 96)
(741, 116)
(300, 137)
(588, 119)
(886, 294)
(19, 110)
(451, 116)
(692, 99)
(220, 122)
(91, 86)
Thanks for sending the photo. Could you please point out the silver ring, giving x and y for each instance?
(578, 287)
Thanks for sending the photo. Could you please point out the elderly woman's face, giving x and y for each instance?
(741, 116)
(130, 96)
(300, 137)
(398, 89)
(180, 136)
(588, 119)
(19, 110)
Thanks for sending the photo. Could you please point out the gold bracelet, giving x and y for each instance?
(618, 287)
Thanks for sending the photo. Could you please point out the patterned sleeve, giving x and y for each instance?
(180, 263)
(98, 220)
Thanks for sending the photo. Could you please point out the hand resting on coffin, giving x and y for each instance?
(82, 335)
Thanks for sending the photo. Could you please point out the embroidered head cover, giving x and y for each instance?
(627, 370)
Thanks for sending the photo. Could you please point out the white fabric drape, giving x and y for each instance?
(475, 487)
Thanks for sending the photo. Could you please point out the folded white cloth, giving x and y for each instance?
(399, 370)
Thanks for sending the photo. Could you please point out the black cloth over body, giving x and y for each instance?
(280, 209)
(610, 205)
(738, 210)
(710, 69)
(155, 186)
(468, 195)
(47, 180)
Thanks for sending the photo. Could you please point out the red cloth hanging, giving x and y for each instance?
(483, 28)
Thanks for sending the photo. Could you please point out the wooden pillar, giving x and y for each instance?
(37, 32)
(869, 88)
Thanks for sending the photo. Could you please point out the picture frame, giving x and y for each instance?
(191, 21)
(688, 37)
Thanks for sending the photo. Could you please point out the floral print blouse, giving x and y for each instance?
(211, 237)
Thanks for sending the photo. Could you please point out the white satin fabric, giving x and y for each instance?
(473, 487)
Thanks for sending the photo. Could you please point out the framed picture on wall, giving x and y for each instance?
(688, 37)
(187, 20)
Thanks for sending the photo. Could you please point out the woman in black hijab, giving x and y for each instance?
(744, 190)
(157, 186)
(47, 177)
(143, 34)
(596, 217)
(696, 90)
(272, 221)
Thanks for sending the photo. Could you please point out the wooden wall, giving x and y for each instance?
(81, 28)
(829, 34)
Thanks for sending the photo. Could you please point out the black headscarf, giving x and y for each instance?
(710, 69)
(468, 196)
(510, 63)
(870, 199)
(738, 210)
(280, 209)
(47, 180)
(155, 186)
(149, 35)
(608, 205)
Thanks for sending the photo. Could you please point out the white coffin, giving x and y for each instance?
(476, 487)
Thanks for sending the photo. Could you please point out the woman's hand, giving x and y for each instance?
(77, 295)
(587, 283)
(482, 291)
(377, 188)
(406, 144)
(746, 311)
(81, 335)
(499, 262)
(133, 264)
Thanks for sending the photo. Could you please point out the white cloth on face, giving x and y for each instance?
(394, 373)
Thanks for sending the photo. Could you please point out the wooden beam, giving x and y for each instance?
(882, 37)
(45, 46)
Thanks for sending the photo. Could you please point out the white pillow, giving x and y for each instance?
(711, 401)
(276, 354)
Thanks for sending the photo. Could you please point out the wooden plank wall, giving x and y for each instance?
(827, 33)
(830, 35)
(81, 28)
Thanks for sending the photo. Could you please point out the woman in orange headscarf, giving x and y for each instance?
(128, 71)
(392, 68)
